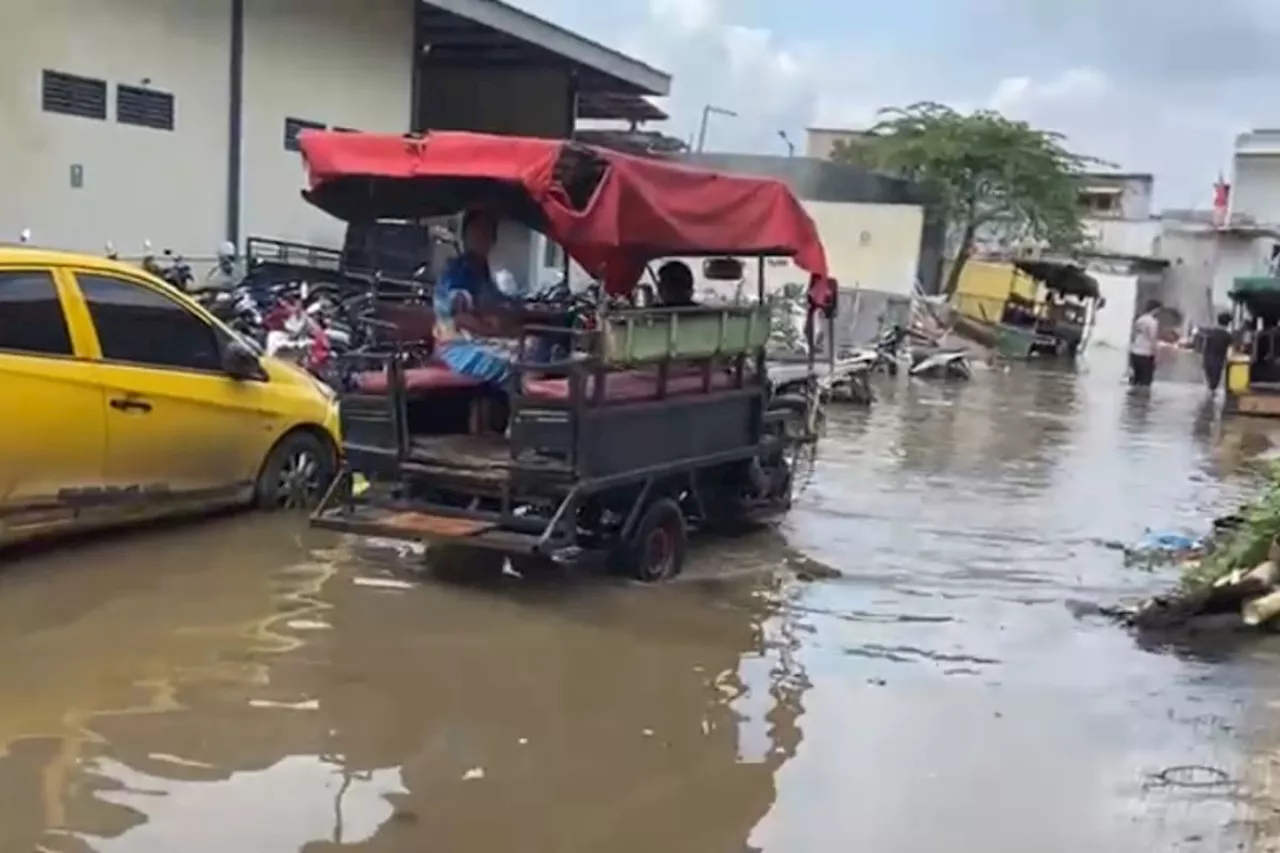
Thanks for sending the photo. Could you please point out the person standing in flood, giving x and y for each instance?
(1143, 344)
(1214, 344)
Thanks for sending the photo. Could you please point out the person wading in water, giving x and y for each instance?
(1214, 344)
(1143, 345)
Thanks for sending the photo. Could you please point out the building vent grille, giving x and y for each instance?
(72, 95)
(144, 107)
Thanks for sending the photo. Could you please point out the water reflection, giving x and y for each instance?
(232, 686)
(258, 700)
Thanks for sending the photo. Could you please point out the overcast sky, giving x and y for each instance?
(1158, 86)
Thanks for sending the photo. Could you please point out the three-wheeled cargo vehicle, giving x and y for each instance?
(651, 422)
(1253, 364)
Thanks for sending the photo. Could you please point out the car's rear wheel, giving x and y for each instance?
(296, 474)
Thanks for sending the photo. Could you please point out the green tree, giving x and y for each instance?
(987, 174)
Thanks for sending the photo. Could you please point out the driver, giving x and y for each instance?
(675, 285)
(475, 322)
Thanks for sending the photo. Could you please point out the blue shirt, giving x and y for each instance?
(465, 285)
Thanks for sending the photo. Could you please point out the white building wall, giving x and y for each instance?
(138, 183)
(1255, 190)
(335, 62)
(1124, 236)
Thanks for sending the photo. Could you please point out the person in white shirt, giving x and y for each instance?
(1143, 345)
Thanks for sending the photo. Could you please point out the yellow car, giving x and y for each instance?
(124, 399)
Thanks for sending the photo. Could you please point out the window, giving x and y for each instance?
(139, 325)
(345, 129)
(294, 126)
(73, 95)
(31, 318)
(144, 107)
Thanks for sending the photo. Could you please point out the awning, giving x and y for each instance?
(613, 213)
(605, 105)
(1062, 276)
(490, 33)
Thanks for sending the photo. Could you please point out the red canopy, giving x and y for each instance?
(612, 212)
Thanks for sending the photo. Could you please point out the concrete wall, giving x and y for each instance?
(870, 246)
(1113, 320)
(820, 142)
(1138, 237)
(850, 188)
(1255, 189)
(138, 183)
(329, 61)
(1204, 264)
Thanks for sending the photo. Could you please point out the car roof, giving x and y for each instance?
(10, 254)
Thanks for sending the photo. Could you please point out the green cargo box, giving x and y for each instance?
(646, 335)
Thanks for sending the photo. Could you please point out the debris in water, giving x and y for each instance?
(306, 705)
(523, 741)
(182, 762)
(473, 773)
(307, 625)
(647, 732)
(382, 583)
(1192, 776)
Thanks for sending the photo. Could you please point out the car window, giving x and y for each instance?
(139, 325)
(31, 318)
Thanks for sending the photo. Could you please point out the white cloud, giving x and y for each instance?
(1151, 85)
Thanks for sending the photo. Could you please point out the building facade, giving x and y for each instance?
(1255, 178)
(821, 142)
(176, 122)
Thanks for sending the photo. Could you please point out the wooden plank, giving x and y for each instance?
(436, 525)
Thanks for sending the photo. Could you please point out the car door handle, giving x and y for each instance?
(126, 404)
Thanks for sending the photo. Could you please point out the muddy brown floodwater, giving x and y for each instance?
(238, 685)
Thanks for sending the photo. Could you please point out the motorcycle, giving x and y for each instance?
(924, 357)
(930, 361)
(173, 270)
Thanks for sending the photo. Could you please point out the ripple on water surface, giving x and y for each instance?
(244, 684)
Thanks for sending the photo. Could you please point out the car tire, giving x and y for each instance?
(656, 549)
(297, 473)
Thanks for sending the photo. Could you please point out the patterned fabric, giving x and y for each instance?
(467, 285)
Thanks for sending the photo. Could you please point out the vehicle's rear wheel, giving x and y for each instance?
(655, 552)
(296, 474)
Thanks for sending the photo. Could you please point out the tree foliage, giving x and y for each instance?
(986, 173)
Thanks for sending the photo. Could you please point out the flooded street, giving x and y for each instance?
(240, 684)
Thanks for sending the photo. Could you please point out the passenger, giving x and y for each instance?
(675, 285)
(476, 324)
(1214, 344)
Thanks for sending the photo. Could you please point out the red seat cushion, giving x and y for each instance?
(629, 385)
(426, 377)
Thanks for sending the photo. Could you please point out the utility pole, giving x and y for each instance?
(707, 110)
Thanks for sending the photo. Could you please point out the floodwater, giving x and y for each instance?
(242, 684)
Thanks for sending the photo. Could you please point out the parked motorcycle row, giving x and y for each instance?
(314, 323)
